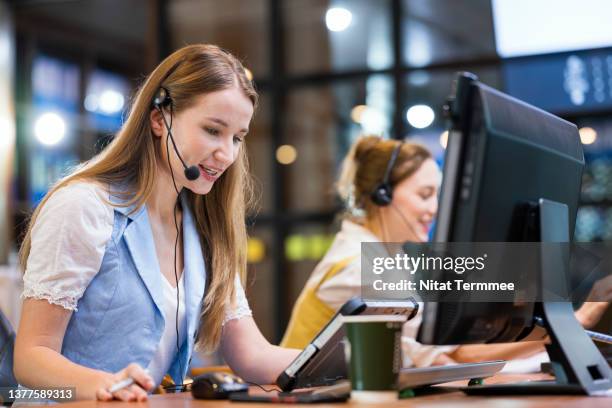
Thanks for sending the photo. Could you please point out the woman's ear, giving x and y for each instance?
(157, 123)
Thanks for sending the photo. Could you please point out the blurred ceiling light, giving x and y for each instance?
(357, 113)
(444, 139)
(110, 101)
(373, 121)
(420, 116)
(380, 52)
(588, 135)
(248, 74)
(419, 50)
(418, 78)
(256, 250)
(286, 154)
(50, 128)
(91, 103)
(338, 19)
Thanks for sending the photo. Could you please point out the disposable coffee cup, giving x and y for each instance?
(373, 355)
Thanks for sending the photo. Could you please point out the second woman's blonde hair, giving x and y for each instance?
(133, 157)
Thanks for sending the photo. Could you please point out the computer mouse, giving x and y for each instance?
(217, 385)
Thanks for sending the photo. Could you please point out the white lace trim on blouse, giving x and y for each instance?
(241, 307)
(44, 292)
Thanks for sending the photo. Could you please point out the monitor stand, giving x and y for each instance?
(577, 364)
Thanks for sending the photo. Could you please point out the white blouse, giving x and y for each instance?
(68, 243)
(164, 355)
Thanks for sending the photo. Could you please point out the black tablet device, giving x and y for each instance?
(322, 362)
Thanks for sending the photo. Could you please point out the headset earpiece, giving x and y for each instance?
(161, 99)
(383, 193)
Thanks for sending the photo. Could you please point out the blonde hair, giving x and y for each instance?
(364, 167)
(133, 156)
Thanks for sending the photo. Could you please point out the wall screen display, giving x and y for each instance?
(564, 83)
(528, 27)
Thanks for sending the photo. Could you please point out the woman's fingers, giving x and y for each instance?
(102, 394)
(138, 393)
(131, 393)
(590, 312)
(125, 394)
(140, 376)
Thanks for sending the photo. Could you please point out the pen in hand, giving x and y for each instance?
(121, 385)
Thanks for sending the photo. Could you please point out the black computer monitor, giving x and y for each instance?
(508, 163)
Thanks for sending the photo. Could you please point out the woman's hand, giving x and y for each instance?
(590, 312)
(135, 392)
(596, 304)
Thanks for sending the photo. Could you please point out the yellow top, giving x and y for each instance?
(335, 280)
(310, 314)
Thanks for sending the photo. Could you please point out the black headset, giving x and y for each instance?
(383, 193)
(161, 100)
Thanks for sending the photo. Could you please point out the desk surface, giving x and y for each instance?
(448, 399)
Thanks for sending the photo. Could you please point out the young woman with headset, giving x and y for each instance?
(139, 255)
(391, 191)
